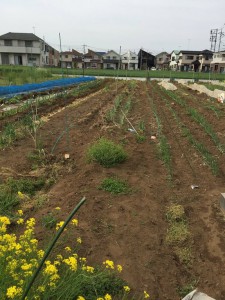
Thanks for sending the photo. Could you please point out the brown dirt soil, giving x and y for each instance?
(131, 229)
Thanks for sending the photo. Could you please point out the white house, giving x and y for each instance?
(129, 61)
(173, 60)
(111, 60)
(26, 49)
(218, 62)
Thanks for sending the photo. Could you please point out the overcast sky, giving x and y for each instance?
(154, 25)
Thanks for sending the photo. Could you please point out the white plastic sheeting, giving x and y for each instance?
(196, 295)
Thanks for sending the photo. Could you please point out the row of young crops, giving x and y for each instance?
(173, 123)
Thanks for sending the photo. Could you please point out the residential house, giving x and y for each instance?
(218, 62)
(111, 60)
(162, 61)
(129, 61)
(194, 60)
(205, 59)
(77, 59)
(71, 59)
(93, 60)
(145, 60)
(173, 60)
(26, 49)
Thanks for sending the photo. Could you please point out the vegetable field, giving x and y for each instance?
(154, 210)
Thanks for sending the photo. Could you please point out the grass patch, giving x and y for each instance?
(178, 230)
(106, 153)
(184, 255)
(114, 186)
(177, 233)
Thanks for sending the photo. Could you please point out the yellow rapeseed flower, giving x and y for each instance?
(119, 268)
(146, 295)
(79, 240)
(90, 269)
(13, 292)
(109, 264)
(68, 249)
(20, 212)
(59, 224)
(30, 223)
(126, 288)
(71, 262)
(57, 208)
(74, 222)
(100, 298)
(108, 297)
(50, 269)
(80, 298)
(21, 195)
(20, 221)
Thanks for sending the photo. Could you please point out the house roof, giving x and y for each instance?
(143, 52)
(100, 53)
(162, 53)
(19, 36)
(176, 52)
(190, 52)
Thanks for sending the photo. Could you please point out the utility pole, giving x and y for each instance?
(83, 57)
(221, 35)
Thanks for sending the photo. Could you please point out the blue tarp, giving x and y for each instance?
(9, 91)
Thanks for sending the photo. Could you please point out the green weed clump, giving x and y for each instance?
(178, 230)
(114, 186)
(106, 153)
(9, 191)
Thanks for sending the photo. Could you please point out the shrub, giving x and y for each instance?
(114, 186)
(106, 153)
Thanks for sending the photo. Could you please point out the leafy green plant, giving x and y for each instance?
(140, 138)
(115, 186)
(106, 153)
(49, 221)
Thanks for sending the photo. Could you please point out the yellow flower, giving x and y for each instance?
(100, 298)
(57, 208)
(146, 295)
(80, 298)
(126, 288)
(60, 224)
(119, 268)
(4, 220)
(79, 240)
(21, 195)
(13, 292)
(109, 264)
(30, 223)
(72, 262)
(50, 269)
(68, 249)
(41, 288)
(20, 221)
(40, 253)
(108, 297)
(74, 222)
(89, 269)
(20, 212)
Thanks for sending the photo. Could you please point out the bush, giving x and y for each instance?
(106, 153)
(114, 186)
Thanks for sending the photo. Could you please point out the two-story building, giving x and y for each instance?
(173, 60)
(111, 60)
(218, 62)
(71, 59)
(129, 61)
(26, 49)
(145, 60)
(162, 61)
(93, 60)
(194, 60)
